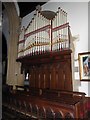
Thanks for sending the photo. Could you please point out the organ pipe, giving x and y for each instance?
(44, 35)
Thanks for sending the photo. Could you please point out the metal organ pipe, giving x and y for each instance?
(59, 32)
(57, 24)
(21, 43)
(53, 34)
(44, 34)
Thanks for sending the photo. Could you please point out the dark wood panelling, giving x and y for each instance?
(29, 104)
(50, 70)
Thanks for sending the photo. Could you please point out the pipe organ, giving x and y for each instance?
(44, 50)
(44, 33)
(45, 56)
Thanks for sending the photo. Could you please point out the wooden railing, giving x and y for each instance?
(47, 104)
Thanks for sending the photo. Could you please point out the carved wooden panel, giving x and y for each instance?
(47, 76)
(52, 76)
(37, 78)
(67, 77)
(49, 70)
(60, 73)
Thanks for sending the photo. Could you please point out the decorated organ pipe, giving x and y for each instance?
(44, 34)
(60, 31)
(21, 43)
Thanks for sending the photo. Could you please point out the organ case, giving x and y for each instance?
(44, 50)
(50, 70)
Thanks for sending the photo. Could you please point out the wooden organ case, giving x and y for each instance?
(49, 70)
(44, 51)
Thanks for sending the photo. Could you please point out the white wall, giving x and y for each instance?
(26, 20)
(78, 20)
